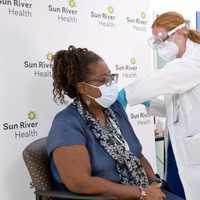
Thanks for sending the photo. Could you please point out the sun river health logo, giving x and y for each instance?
(22, 129)
(141, 118)
(66, 13)
(40, 68)
(138, 22)
(17, 8)
(128, 70)
(106, 18)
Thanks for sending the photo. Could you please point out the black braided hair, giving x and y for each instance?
(70, 67)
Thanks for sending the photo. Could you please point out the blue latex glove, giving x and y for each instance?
(122, 98)
(146, 104)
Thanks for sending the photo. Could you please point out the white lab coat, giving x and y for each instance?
(179, 82)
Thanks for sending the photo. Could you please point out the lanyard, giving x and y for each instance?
(123, 142)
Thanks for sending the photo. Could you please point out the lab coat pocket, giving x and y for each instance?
(192, 149)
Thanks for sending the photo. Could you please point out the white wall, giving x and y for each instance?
(187, 8)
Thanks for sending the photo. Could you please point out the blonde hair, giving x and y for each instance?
(171, 20)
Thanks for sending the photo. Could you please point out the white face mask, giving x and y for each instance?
(108, 95)
(168, 51)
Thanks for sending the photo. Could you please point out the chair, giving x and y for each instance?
(37, 163)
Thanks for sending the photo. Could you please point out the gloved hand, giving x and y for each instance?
(122, 98)
(147, 104)
(123, 101)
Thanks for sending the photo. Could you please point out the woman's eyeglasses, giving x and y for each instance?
(107, 79)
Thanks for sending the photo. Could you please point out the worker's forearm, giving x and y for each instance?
(97, 185)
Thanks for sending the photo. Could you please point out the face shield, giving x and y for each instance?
(158, 41)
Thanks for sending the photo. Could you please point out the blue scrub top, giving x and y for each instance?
(69, 128)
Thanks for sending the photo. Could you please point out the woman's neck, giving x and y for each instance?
(96, 110)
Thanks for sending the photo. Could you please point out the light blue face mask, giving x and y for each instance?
(108, 96)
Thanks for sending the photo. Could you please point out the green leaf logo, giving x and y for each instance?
(110, 10)
(133, 61)
(31, 115)
(143, 15)
(50, 56)
(72, 3)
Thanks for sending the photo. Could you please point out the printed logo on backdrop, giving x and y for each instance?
(138, 22)
(66, 11)
(141, 118)
(40, 68)
(128, 70)
(17, 8)
(25, 128)
(105, 18)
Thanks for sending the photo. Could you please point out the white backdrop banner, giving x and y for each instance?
(31, 32)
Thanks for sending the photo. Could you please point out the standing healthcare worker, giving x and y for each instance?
(179, 82)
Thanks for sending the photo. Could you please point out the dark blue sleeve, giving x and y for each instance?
(65, 130)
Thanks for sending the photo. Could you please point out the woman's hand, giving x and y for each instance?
(153, 192)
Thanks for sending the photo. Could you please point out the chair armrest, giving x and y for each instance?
(69, 195)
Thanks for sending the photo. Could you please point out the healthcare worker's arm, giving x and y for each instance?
(156, 108)
(177, 76)
(123, 100)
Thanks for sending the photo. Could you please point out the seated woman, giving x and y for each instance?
(92, 146)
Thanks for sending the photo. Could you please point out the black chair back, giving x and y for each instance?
(36, 160)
